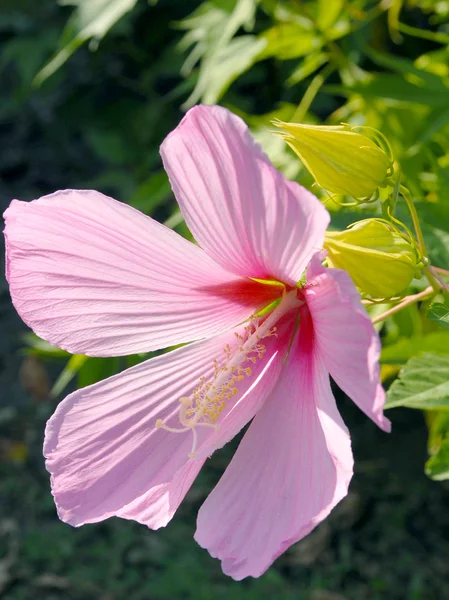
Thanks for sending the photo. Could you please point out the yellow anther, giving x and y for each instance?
(207, 401)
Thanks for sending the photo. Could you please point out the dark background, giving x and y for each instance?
(97, 123)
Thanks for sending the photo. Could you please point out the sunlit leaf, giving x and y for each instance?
(328, 13)
(307, 67)
(210, 30)
(423, 383)
(407, 347)
(435, 122)
(440, 313)
(90, 19)
(40, 347)
(436, 62)
(289, 40)
(70, 370)
(229, 62)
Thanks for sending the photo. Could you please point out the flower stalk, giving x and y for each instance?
(427, 293)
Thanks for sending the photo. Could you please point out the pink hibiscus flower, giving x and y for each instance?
(95, 276)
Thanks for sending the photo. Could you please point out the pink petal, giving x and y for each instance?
(94, 276)
(104, 453)
(346, 338)
(292, 467)
(156, 507)
(239, 208)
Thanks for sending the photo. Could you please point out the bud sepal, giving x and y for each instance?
(381, 260)
(343, 161)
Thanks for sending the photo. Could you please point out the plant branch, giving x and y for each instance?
(439, 279)
(434, 36)
(441, 271)
(429, 291)
(411, 207)
(311, 92)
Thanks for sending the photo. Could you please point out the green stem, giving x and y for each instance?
(311, 92)
(419, 236)
(439, 279)
(434, 36)
(435, 282)
(411, 207)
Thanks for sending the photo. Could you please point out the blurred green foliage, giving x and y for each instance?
(91, 87)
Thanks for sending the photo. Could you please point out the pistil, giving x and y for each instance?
(208, 400)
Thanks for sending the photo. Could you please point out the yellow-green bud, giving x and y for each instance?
(341, 160)
(380, 261)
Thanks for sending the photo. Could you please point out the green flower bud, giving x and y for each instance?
(341, 160)
(380, 261)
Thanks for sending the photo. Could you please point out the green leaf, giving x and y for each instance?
(423, 383)
(95, 369)
(407, 68)
(437, 467)
(210, 30)
(436, 62)
(91, 19)
(407, 347)
(440, 313)
(435, 122)
(108, 145)
(151, 193)
(437, 243)
(436, 213)
(40, 347)
(289, 40)
(307, 67)
(174, 220)
(328, 13)
(228, 64)
(28, 54)
(388, 86)
(70, 370)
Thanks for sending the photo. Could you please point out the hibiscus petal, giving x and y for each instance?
(239, 208)
(292, 467)
(346, 339)
(94, 276)
(156, 507)
(104, 453)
